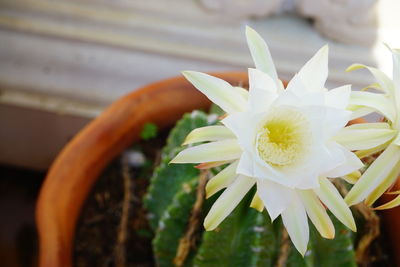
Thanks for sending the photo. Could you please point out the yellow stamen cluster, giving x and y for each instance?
(283, 138)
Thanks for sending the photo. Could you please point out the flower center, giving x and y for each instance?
(284, 137)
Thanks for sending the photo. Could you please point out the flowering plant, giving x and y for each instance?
(290, 142)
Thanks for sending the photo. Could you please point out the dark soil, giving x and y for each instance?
(96, 241)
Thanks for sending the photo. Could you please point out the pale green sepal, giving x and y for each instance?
(229, 199)
(384, 185)
(396, 141)
(317, 213)
(379, 102)
(208, 133)
(353, 177)
(357, 138)
(222, 180)
(359, 111)
(215, 151)
(331, 198)
(295, 220)
(218, 91)
(374, 175)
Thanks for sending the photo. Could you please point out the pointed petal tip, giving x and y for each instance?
(186, 141)
(173, 161)
(208, 226)
(249, 29)
(325, 49)
(330, 235)
(188, 74)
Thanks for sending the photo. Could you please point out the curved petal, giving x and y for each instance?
(260, 54)
(218, 91)
(295, 220)
(315, 72)
(378, 102)
(216, 151)
(276, 198)
(331, 198)
(391, 204)
(222, 180)
(229, 199)
(376, 173)
(317, 213)
(208, 133)
(383, 80)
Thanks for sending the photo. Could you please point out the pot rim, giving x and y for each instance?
(78, 165)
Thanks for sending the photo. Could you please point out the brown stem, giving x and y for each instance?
(188, 240)
(120, 257)
(284, 250)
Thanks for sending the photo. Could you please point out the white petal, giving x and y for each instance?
(295, 220)
(218, 91)
(208, 133)
(229, 199)
(222, 180)
(262, 91)
(296, 86)
(243, 125)
(334, 121)
(243, 92)
(376, 173)
(354, 138)
(215, 151)
(260, 54)
(246, 164)
(350, 164)
(276, 198)
(315, 72)
(317, 214)
(331, 198)
(338, 97)
(378, 102)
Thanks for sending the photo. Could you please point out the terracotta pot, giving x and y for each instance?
(80, 163)
(77, 167)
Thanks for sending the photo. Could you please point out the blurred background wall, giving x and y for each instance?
(62, 62)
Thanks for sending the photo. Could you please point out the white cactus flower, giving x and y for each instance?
(280, 140)
(374, 137)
